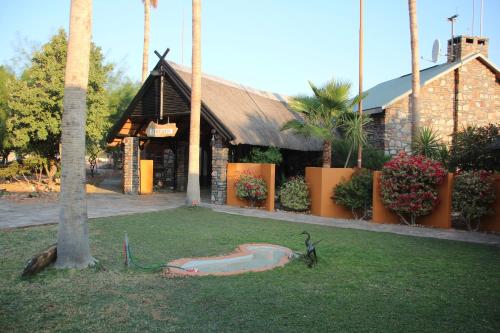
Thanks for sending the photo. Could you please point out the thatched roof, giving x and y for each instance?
(254, 117)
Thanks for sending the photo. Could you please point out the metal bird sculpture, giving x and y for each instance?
(312, 258)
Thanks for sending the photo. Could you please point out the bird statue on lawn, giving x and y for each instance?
(311, 257)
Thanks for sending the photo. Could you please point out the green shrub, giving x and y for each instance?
(270, 155)
(356, 193)
(294, 194)
(408, 186)
(473, 195)
(10, 171)
(373, 158)
(251, 188)
(472, 148)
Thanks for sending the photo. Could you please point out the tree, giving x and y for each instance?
(193, 186)
(354, 133)
(36, 100)
(145, 50)
(73, 249)
(415, 81)
(322, 114)
(6, 79)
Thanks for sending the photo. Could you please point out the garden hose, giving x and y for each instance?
(129, 261)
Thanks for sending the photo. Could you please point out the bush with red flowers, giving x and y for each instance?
(251, 188)
(408, 186)
(473, 195)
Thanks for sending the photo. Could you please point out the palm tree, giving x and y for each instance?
(193, 186)
(322, 114)
(145, 50)
(73, 238)
(415, 82)
(353, 129)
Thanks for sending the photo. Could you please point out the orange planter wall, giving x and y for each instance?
(440, 216)
(266, 171)
(146, 177)
(492, 222)
(321, 183)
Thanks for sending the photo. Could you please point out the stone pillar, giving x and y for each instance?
(220, 156)
(131, 165)
(182, 168)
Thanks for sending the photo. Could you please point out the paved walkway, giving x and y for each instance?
(450, 234)
(14, 215)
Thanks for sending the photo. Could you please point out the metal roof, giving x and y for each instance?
(386, 93)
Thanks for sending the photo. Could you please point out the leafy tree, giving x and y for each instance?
(472, 148)
(36, 100)
(120, 94)
(322, 114)
(6, 79)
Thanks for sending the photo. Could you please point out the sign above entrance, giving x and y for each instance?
(155, 130)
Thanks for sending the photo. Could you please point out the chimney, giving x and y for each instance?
(462, 46)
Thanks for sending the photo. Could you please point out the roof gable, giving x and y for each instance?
(388, 92)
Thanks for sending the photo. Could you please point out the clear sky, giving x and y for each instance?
(274, 45)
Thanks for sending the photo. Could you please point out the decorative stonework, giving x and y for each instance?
(469, 95)
(131, 165)
(182, 167)
(220, 156)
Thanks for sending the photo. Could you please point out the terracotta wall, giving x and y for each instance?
(146, 177)
(492, 222)
(266, 171)
(321, 182)
(440, 216)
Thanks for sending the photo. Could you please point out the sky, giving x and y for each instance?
(273, 45)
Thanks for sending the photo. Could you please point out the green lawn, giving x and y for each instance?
(365, 281)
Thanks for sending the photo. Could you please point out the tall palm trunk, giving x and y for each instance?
(327, 154)
(193, 186)
(415, 82)
(73, 239)
(145, 49)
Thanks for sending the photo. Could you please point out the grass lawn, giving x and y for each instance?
(365, 281)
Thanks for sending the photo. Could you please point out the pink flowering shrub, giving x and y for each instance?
(473, 195)
(408, 186)
(251, 188)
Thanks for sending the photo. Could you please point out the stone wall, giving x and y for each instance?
(220, 156)
(182, 167)
(131, 165)
(469, 95)
(375, 131)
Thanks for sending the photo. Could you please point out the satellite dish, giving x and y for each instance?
(436, 48)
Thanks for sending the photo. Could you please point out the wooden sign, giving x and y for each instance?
(155, 130)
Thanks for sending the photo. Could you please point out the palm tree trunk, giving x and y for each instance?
(327, 154)
(415, 82)
(73, 239)
(193, 186)
(145, 49)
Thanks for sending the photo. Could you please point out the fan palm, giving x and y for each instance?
(322, 114)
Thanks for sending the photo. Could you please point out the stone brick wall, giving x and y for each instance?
(463, 46)
(397, 135)
(375, 131)
(182, 167)
(469, 95)
(131, 165)
(220, 156)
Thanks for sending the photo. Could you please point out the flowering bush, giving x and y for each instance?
(294, 194)
(473, 194)
(251, 188)
(355, 193)
(408, 185)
